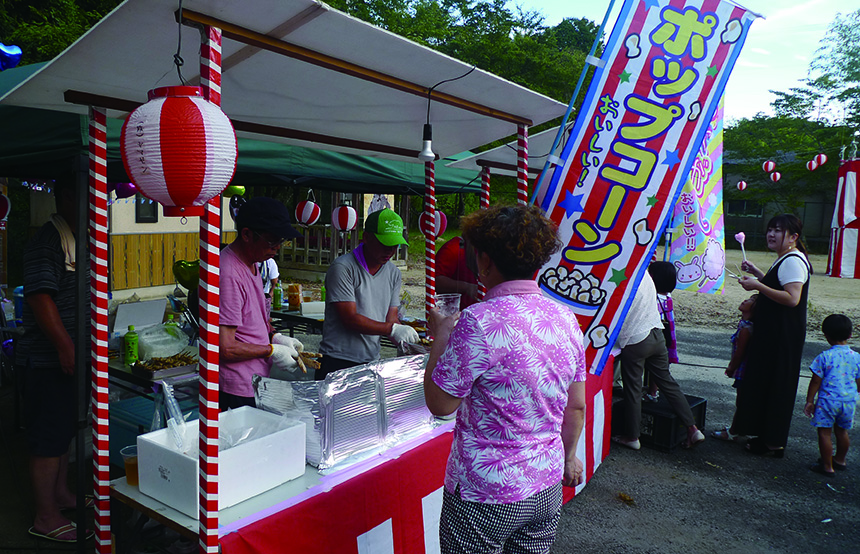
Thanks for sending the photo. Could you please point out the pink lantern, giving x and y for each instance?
(820, 159)
(344, 218)
(812, 165)
(768, 166)
(775, 176)
(742, 185)
(179, 149)
(441, 223)
(125, 190)
(5, 206)
(308, 212)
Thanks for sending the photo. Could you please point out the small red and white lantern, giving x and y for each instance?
(440, 224)
(820, 159)
(308, 212)
(768, 166)
(812, 165)
(742, 185)
(179, 149)
(344, 218)
(775, 176)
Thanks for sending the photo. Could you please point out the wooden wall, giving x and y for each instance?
(146, 260)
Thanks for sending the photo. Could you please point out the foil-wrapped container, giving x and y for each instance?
(355, 410)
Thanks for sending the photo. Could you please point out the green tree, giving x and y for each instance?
(790, 142)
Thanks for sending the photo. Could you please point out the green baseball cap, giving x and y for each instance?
(386, 226)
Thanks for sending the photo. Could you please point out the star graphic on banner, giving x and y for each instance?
(712, 71)
(618, 276)
(652, 201)
(624, 77)
(571, 203)
(651, 3)
(671, 159)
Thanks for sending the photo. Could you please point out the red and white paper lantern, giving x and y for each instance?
(742, 185)
(179, 149)
(344, 218)
(768, 166)
(308, 212)
(440, 224)
(820, 159)
(812, 165)
(775, 176)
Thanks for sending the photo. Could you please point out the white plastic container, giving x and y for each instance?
(244, 470)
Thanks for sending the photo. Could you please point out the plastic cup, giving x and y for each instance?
(448, 304)
(129, 459)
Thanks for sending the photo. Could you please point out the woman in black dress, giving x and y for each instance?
(767, 393)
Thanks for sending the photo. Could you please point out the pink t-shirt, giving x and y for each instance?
(511, 359)
(243, 306)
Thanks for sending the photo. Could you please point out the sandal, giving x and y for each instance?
(89, 502)
(818, 468)
(836, 465)
(758, 447)
(69, 531)
(725, 435)
(697, 439)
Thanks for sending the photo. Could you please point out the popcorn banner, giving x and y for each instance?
(698, 247)
(635, 139)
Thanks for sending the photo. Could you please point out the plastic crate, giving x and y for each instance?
(660, 427)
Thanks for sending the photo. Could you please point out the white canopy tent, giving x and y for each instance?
(294, 71)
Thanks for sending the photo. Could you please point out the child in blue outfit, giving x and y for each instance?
(735, 369)
(836, 381)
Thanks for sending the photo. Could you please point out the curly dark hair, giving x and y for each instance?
(519, 239)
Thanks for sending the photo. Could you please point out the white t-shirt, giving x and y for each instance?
(642, 316)
(793, 269)
(268, 271)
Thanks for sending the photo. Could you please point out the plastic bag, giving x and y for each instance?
(157, 342)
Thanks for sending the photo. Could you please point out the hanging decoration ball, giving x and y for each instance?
(236, 202)
(768, 166)
(187, 273)
(742, 185)
(440, 224)
(179, 149)
(308, 212)
(344, 218)
(812, 165)
(234, 190)
(775, 176)
(9, 56)
(125, 190)
(820, 159)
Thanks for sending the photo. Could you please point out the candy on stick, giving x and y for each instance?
(740, 237)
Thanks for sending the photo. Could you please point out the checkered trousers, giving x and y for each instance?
(524, 527)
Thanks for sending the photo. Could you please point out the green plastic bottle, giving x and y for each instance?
(277, 297)
(130, 346)
(322, 293)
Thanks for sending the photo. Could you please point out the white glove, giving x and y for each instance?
(296, 344)
(284, 357)
(403, 333)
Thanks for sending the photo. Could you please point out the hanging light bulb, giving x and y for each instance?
(427, 154)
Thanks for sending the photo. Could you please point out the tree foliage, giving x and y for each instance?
(790, 142)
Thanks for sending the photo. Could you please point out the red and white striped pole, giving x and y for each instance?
(522, 164)
(98, 231)
(429, 222)
(209, 290)
(484, 204)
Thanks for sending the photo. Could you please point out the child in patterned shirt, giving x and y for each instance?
(836, 382)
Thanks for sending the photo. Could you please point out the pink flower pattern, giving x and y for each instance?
(511, 359)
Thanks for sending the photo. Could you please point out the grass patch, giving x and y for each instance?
(416, 242)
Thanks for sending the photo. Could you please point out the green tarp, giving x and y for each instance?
(38, 144)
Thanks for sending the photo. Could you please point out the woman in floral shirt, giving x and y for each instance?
(514, 365)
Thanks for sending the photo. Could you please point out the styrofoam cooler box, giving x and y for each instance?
(245, 470)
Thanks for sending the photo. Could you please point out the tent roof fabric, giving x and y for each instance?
(346, 85)
(36, 143)
(502, 160)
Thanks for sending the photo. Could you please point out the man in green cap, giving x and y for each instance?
(362, 298)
